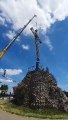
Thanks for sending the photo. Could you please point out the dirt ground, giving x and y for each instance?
(8, 116)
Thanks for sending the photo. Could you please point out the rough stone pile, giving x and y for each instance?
(39, 90)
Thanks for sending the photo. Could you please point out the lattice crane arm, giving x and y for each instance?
(35, 33)
(37, 41)
(15, 37)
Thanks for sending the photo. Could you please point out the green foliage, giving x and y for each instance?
(4, 89)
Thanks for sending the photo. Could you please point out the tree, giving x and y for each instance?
(4, 89)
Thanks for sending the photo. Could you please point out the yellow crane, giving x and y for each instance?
(15, 37)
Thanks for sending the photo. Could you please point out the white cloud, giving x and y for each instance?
(48, 43)
(58, 8)
(25, 47)
(10, 72)
(18, 12)
(2, 21)
(6, 81)
(11, 35)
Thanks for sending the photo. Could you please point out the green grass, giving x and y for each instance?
(52, 114)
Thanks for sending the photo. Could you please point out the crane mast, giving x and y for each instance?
(37, 41)
(15, 37)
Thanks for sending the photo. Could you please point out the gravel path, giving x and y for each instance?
(8, 116)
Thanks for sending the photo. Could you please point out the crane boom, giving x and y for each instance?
(37, 41)
(15, 37)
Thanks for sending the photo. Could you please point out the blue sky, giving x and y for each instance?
(21, 55)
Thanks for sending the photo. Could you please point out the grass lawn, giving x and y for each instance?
(50, 114)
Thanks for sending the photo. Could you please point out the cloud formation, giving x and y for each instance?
(11, 72)
(48, 43)
(2, 21)
(25, 47)
(10, 34)
(6, 81)
(18, 12)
